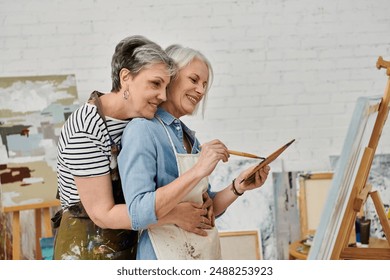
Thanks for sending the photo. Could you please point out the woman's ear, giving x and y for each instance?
(124, 75)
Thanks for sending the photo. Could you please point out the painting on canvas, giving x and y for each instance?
(32, 112)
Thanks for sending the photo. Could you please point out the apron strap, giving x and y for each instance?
(170, 140)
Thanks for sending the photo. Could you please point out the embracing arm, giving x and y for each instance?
(99, 202)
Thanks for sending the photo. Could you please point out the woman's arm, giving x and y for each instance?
(97, 198)
(99, 204)
(170, 195)
(138, 169)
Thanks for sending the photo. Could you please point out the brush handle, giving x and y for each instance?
(242, 154)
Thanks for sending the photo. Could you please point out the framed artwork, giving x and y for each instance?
(32, 112)
(241, 245)
(313, 191)
(357, 139)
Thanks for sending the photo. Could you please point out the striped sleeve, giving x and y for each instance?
(85, 157)
(85, 152)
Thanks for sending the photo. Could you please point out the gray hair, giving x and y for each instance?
(136, 53)
(182, 57)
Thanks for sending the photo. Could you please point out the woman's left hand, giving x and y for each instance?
(260, 178)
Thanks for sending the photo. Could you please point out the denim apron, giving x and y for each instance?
(173, 243)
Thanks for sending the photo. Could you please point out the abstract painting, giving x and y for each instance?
(286, 211)
(32, 112)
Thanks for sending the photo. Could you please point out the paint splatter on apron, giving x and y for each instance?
(78, 238)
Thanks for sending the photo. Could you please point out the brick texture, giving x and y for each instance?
(283, 69)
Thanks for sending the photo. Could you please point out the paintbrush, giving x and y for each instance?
(242, 154)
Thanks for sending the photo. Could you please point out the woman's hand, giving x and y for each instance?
(260, 177)
(192, 217)
(211, 153)
(208, 205)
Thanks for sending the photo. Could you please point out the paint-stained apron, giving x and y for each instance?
(173, 243)
(79, 238)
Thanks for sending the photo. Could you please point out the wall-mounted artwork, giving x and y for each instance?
(32, 112)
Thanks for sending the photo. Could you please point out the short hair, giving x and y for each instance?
(136, 53)
(182, 57)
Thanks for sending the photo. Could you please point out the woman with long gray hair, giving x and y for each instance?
(163, 165)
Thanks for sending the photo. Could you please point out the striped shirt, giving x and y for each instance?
(84, 149)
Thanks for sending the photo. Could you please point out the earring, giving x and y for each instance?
(126, 94)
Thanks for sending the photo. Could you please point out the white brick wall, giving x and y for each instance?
(283, 69)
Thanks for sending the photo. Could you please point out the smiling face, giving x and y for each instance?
(187, 89)
(147, 90)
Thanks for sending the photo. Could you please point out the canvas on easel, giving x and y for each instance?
(348, 190)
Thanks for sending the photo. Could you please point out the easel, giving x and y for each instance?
(39, 210)
(361, 191)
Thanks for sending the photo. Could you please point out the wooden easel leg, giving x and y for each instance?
(47, 223)
(381, 214)
(38, 234)
(16, 235)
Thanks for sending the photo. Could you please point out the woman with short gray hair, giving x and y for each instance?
(94, 223)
